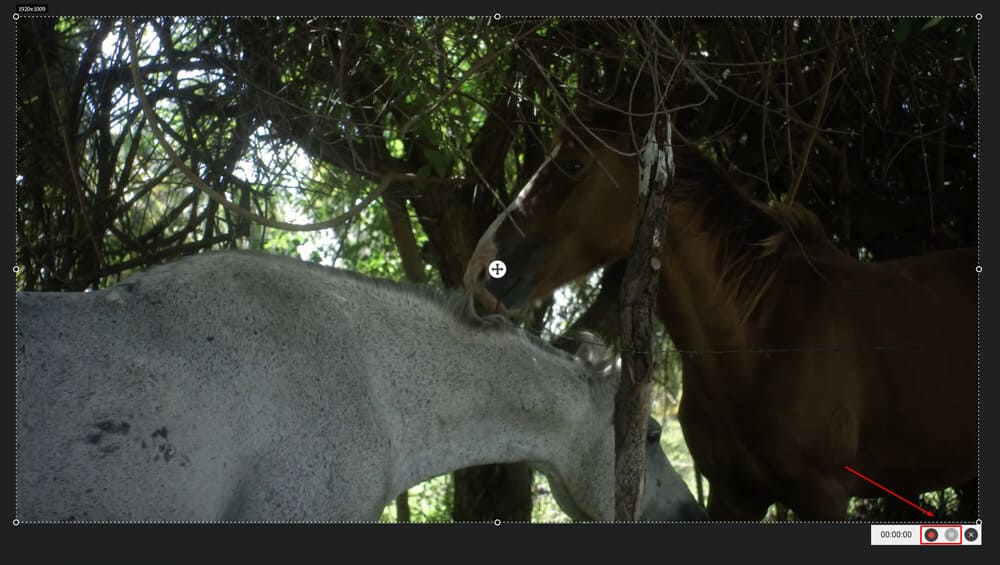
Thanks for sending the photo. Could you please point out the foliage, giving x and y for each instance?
(430, 501)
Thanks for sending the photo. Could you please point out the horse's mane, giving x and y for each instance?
(462, 306)
(752, 237)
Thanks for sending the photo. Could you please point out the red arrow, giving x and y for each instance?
(925, 512)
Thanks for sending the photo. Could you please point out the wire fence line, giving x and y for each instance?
(751, 350)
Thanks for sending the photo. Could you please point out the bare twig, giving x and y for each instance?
(831, 66)
(74, 174)
(489, 58)
(154, 125)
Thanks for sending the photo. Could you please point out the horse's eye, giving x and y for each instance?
(573, 166)
(653, 435)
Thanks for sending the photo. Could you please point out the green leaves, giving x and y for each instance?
(931, 23)
(905, 28)
(902, 29)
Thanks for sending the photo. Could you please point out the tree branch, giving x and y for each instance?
(154, 126)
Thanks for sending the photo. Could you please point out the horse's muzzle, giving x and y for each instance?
(687, 512)
(693, 512)
(512, 291)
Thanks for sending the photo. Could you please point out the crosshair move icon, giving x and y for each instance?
(497, 269)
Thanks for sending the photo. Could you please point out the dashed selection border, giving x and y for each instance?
(497, 16)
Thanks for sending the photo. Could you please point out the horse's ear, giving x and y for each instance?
(642, 112)
(611, 368)
(638, 113)
(592, 349)
(653, 430)
(637, 99)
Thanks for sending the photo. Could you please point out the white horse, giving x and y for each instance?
(240, 386)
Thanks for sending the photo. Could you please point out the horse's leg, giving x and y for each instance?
(727, 503)
(824, 500)
(968, 500)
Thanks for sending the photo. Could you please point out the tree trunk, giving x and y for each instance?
(638, 300)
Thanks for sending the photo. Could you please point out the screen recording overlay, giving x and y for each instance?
(933, 534)
(299, 285)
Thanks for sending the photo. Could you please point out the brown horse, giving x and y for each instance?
(798, 359)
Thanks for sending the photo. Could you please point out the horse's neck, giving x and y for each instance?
(479, 397)
(704, 310)
(698, 312)
(693, 303)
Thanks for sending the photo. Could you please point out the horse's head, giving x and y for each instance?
(665, 495)
(587, 493)
(575, 214)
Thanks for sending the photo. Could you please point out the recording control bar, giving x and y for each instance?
(928, 534)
